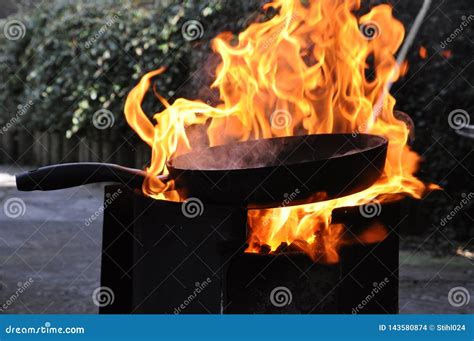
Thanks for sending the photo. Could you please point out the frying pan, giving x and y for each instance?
(264, 173)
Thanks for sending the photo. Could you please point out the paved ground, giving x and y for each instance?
(425, 283)
(51, 244)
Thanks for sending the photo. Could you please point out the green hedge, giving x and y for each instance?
(76, 59)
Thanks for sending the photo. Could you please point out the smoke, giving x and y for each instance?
(243, 155)
(272, 152)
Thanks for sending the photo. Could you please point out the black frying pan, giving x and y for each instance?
(262, 173)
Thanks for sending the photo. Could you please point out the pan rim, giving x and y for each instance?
(382, 141)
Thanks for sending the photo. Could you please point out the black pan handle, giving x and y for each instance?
(76, 174)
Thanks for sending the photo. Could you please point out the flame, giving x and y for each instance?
(404, 68)
(447, 53)
(423, 52)
(320, 68)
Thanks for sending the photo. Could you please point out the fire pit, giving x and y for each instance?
(284, 195)
(159, 259)
(311, 70)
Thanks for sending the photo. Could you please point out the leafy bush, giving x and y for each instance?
(78, 58)
(86, 59)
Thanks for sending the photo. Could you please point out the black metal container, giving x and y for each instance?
(161, 257)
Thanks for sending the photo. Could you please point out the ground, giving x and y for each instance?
(52, 244)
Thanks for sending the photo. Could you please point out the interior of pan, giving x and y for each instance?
(275, 151)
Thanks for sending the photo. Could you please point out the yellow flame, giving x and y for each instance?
(322, 70)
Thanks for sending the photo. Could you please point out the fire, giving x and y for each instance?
(447, 53)
(315, 67)
(423, 52)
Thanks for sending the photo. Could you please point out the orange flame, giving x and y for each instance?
(312, 68)
(423, 52)
(447, 53)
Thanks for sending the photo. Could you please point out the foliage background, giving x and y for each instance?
(69, 82)
(53, 66)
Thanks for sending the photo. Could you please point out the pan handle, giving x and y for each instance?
(76, 174)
